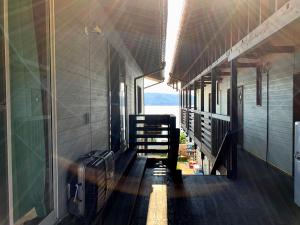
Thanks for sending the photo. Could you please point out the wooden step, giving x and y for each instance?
(147, 128)
(153, 151)
(152, 136)
(151, 143)
(121, 206)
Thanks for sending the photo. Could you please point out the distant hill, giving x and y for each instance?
(161, 99)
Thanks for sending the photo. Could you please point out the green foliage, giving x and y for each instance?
(182, 138)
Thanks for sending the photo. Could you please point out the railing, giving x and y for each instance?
(184, 119)
(209, 129)
(155, 134)
(151, 133)
(206, 130)
(197, 126)
(190, 122)
(220, 126)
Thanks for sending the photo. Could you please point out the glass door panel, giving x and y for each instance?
(30, 110)
(3, 149)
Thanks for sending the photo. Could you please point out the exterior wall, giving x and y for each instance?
(281, 112)
(255, 117)
(280, 150)
(224, 85)
(82, 84)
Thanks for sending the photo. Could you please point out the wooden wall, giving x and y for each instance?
(280, 150)
(82, 84)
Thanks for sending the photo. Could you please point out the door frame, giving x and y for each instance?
(54, 214)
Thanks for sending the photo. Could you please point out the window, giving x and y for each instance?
(32, 167)
(258, 86)
(3, 155)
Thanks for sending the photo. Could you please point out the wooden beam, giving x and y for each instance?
(232, 159)
(283, 17)
(195, 96)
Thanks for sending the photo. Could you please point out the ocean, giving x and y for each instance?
(151, 109)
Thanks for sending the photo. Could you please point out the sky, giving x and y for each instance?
(175, 9)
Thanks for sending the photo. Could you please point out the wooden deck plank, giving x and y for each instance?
(261, 195)
(120, 208)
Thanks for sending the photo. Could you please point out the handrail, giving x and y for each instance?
(209, 129)
(221, 117)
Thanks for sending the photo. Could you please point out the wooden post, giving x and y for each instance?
(214, 134)
(202, 85)
(174, 144)
(232, 160)
(132, 131)
(195, 96)
(186, 98)
(190, 97)
(213, 90)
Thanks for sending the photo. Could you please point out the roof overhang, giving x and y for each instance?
(142, 26)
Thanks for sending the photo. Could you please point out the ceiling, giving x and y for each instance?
(142, 26)
(202, 20)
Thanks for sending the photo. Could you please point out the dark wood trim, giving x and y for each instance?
(213, 90)
(202, 93)
(195, 97)
(258, 86)
(232, 159)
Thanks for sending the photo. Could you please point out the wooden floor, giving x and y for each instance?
(261, 195)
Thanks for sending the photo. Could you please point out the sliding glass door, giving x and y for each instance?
(3, 149)
(32, 179)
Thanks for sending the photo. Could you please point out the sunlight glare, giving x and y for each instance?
(175, 10)
(157, 209)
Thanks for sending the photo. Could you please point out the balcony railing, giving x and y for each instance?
(184, 119)
(207, 129)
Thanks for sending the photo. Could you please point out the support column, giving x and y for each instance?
(232, 159)
(195, 96)
(214, 133)
(180, 98)
(202, 85)
(190, 97)
(213, 90)
(186, 98)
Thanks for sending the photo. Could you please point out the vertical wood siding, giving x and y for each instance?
(82, 85)
(280, 151)
(281, 112)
